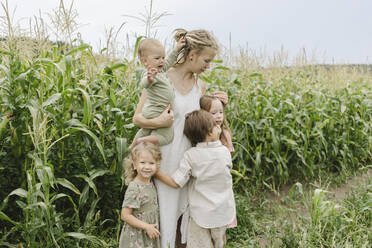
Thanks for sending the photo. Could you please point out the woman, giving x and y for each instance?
(199, 51)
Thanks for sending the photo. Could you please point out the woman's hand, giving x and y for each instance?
(166, 118)
(151, 231)
(222, 96)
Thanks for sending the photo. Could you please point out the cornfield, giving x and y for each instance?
(66, 122)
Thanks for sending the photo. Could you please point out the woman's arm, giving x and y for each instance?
(150, 229)
(165, 119)
(167, 180)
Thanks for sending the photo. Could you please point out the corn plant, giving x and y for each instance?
(66, 122)
(286, 130)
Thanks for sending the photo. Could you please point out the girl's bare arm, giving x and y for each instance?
(150, 229)
(165, 119)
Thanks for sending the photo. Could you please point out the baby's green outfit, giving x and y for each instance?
(143, 201)
(160, 94)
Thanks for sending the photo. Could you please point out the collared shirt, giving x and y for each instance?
(210, 193)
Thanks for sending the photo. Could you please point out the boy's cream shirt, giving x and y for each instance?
(211, 198)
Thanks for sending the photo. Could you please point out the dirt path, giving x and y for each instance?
(337, 194)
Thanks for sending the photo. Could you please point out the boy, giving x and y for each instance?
(207, 165)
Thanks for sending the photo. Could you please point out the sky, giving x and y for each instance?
(334, 31)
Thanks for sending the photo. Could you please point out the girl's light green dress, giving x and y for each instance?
(142, 199)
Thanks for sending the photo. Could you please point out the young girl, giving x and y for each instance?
(214, 106)
(140, 210)
(207, 166)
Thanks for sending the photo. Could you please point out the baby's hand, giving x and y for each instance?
(151, 73)
(166, 117)
(180, 44)
(151, 231)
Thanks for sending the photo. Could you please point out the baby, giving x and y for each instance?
(159, 90)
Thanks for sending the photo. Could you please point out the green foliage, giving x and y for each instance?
(292, 130)
(66, 122)
(304, 219)
(64, 127)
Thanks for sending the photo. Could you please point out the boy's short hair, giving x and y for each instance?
(145, 45)
(197, 126)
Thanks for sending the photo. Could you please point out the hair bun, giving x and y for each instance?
(179, 33)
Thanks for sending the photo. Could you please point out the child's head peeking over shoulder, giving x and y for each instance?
(200, 126)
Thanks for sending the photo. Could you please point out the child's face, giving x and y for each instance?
(155, 57)
(217, 111)
(146, 166)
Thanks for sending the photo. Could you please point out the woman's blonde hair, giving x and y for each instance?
(206, 104)
(195, 40)
(129, 171)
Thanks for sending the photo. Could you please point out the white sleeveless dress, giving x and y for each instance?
(173, 202)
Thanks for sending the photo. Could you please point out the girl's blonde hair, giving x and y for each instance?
(195, 40)
(129, 171)
(206, 104)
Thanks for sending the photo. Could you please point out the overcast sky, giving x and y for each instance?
(336, 30)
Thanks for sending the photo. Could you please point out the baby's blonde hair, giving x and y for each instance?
(145, 45)
(129, 171)
(195, 40)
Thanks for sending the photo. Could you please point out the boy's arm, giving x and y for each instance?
(168, 180)
(180, 177)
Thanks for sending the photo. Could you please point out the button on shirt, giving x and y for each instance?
(210, 193)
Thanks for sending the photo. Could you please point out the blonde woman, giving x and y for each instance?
(195, 58)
